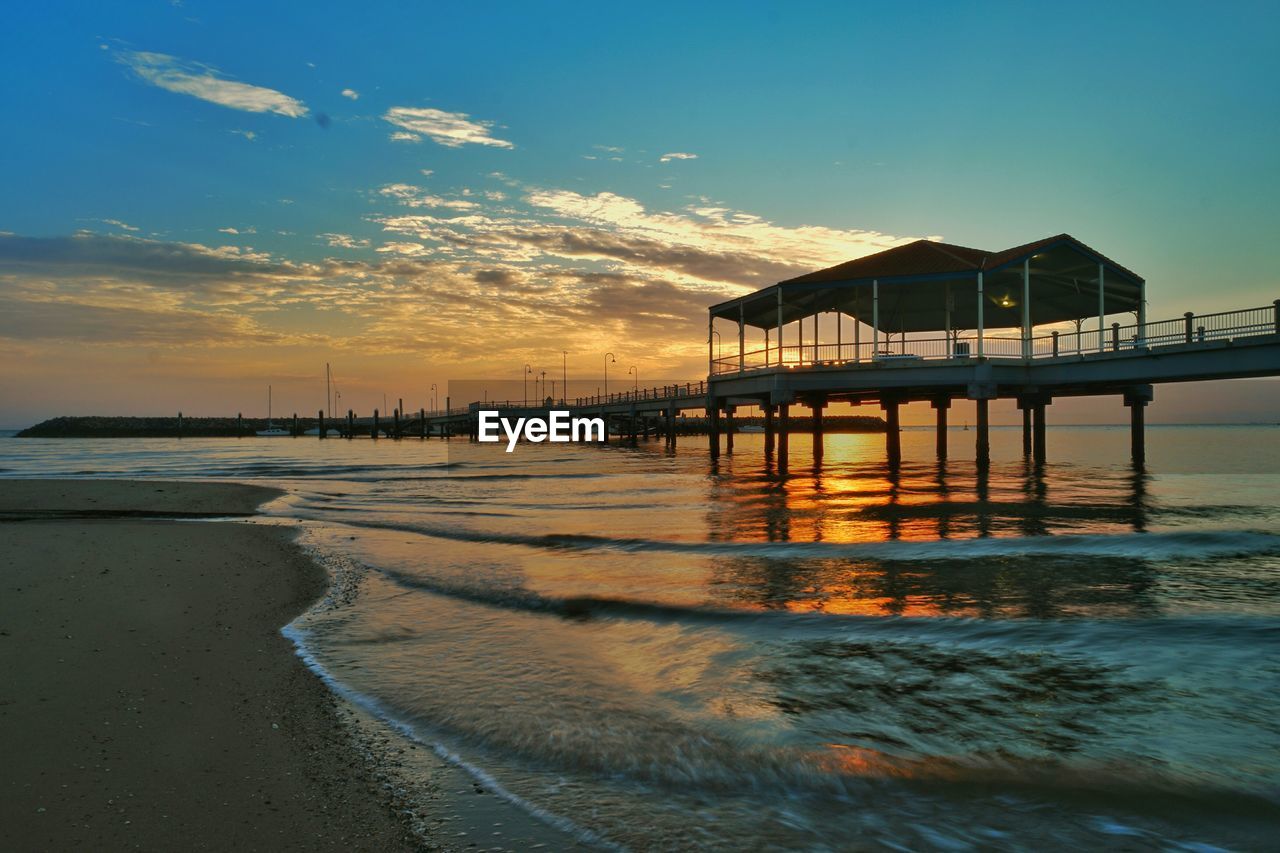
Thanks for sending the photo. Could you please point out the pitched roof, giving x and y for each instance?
(922, 257)
(928, 257)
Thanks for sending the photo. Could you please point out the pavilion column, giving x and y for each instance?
(784, 435)
(742, 338)
(815, 337)
(857, 337)
(766, 347)
(946, 315)
(1026, 308)
(781, 355)
(875, 317)
(981, 305)
(940, 406)
(839, 336)
(817, 405)
(1102, 309)
(1142, 314)
(769, 429)
(984, 434)
(893, 433)
(711, 349)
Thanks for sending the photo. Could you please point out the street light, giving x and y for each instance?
(433, 398)
(564, 373)
(525, 378)
(608, 357)
(632, 369)
(544, 387)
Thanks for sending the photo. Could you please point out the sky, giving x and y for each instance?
(203, 199)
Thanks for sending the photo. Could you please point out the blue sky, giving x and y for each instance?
(215, 143)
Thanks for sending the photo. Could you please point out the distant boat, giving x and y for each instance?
(751, 428)
(272, 431)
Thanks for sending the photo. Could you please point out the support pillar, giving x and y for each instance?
(374, 434)
(893, 434)
(940, 407)
(1037, 431)
(728, 429)
(983, 427)
(1026, 426)
(713, 427)
(351, 424)
(784, 436)
(671, 426)
(817, 406)
(1137, 399)
(320, 420)
(769, 431)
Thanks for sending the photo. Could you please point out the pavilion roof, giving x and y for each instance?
(917, 280)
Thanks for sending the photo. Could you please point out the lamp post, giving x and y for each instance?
(524, 378)
(543, 398)
(564, 373)
(632, 369)
(608, 357)
(433, 398)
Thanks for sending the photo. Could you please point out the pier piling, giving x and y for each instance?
(728, 429)
(982, 426)
(769, 430)
(1026, 426)
(1037, 431)
(351, 424)
(784, 434)
(816, 408)
(374, 433)
(940, 407)
(713, 428)
(320, 420)
(893, 432)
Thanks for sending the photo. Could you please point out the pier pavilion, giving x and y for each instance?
(929, 321)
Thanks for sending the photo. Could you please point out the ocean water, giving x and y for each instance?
(656, 651)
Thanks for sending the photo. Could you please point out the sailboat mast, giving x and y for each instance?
(328, 396)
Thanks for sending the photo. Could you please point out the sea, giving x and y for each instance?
(651, 649)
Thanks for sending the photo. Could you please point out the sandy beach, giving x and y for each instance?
(148, 699)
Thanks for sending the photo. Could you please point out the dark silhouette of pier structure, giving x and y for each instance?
(933, 322)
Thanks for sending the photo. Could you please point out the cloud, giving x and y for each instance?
(247, 134)
(351, 93)
(676, 155)
(125, 226)
(204, 82)
(403, 248)
(343, 241)
(402, 136)
(452, 130)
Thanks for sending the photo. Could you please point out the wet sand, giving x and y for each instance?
(147, 698)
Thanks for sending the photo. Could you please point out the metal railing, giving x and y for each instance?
(1189, 329)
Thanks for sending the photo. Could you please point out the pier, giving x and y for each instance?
(923, 322)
